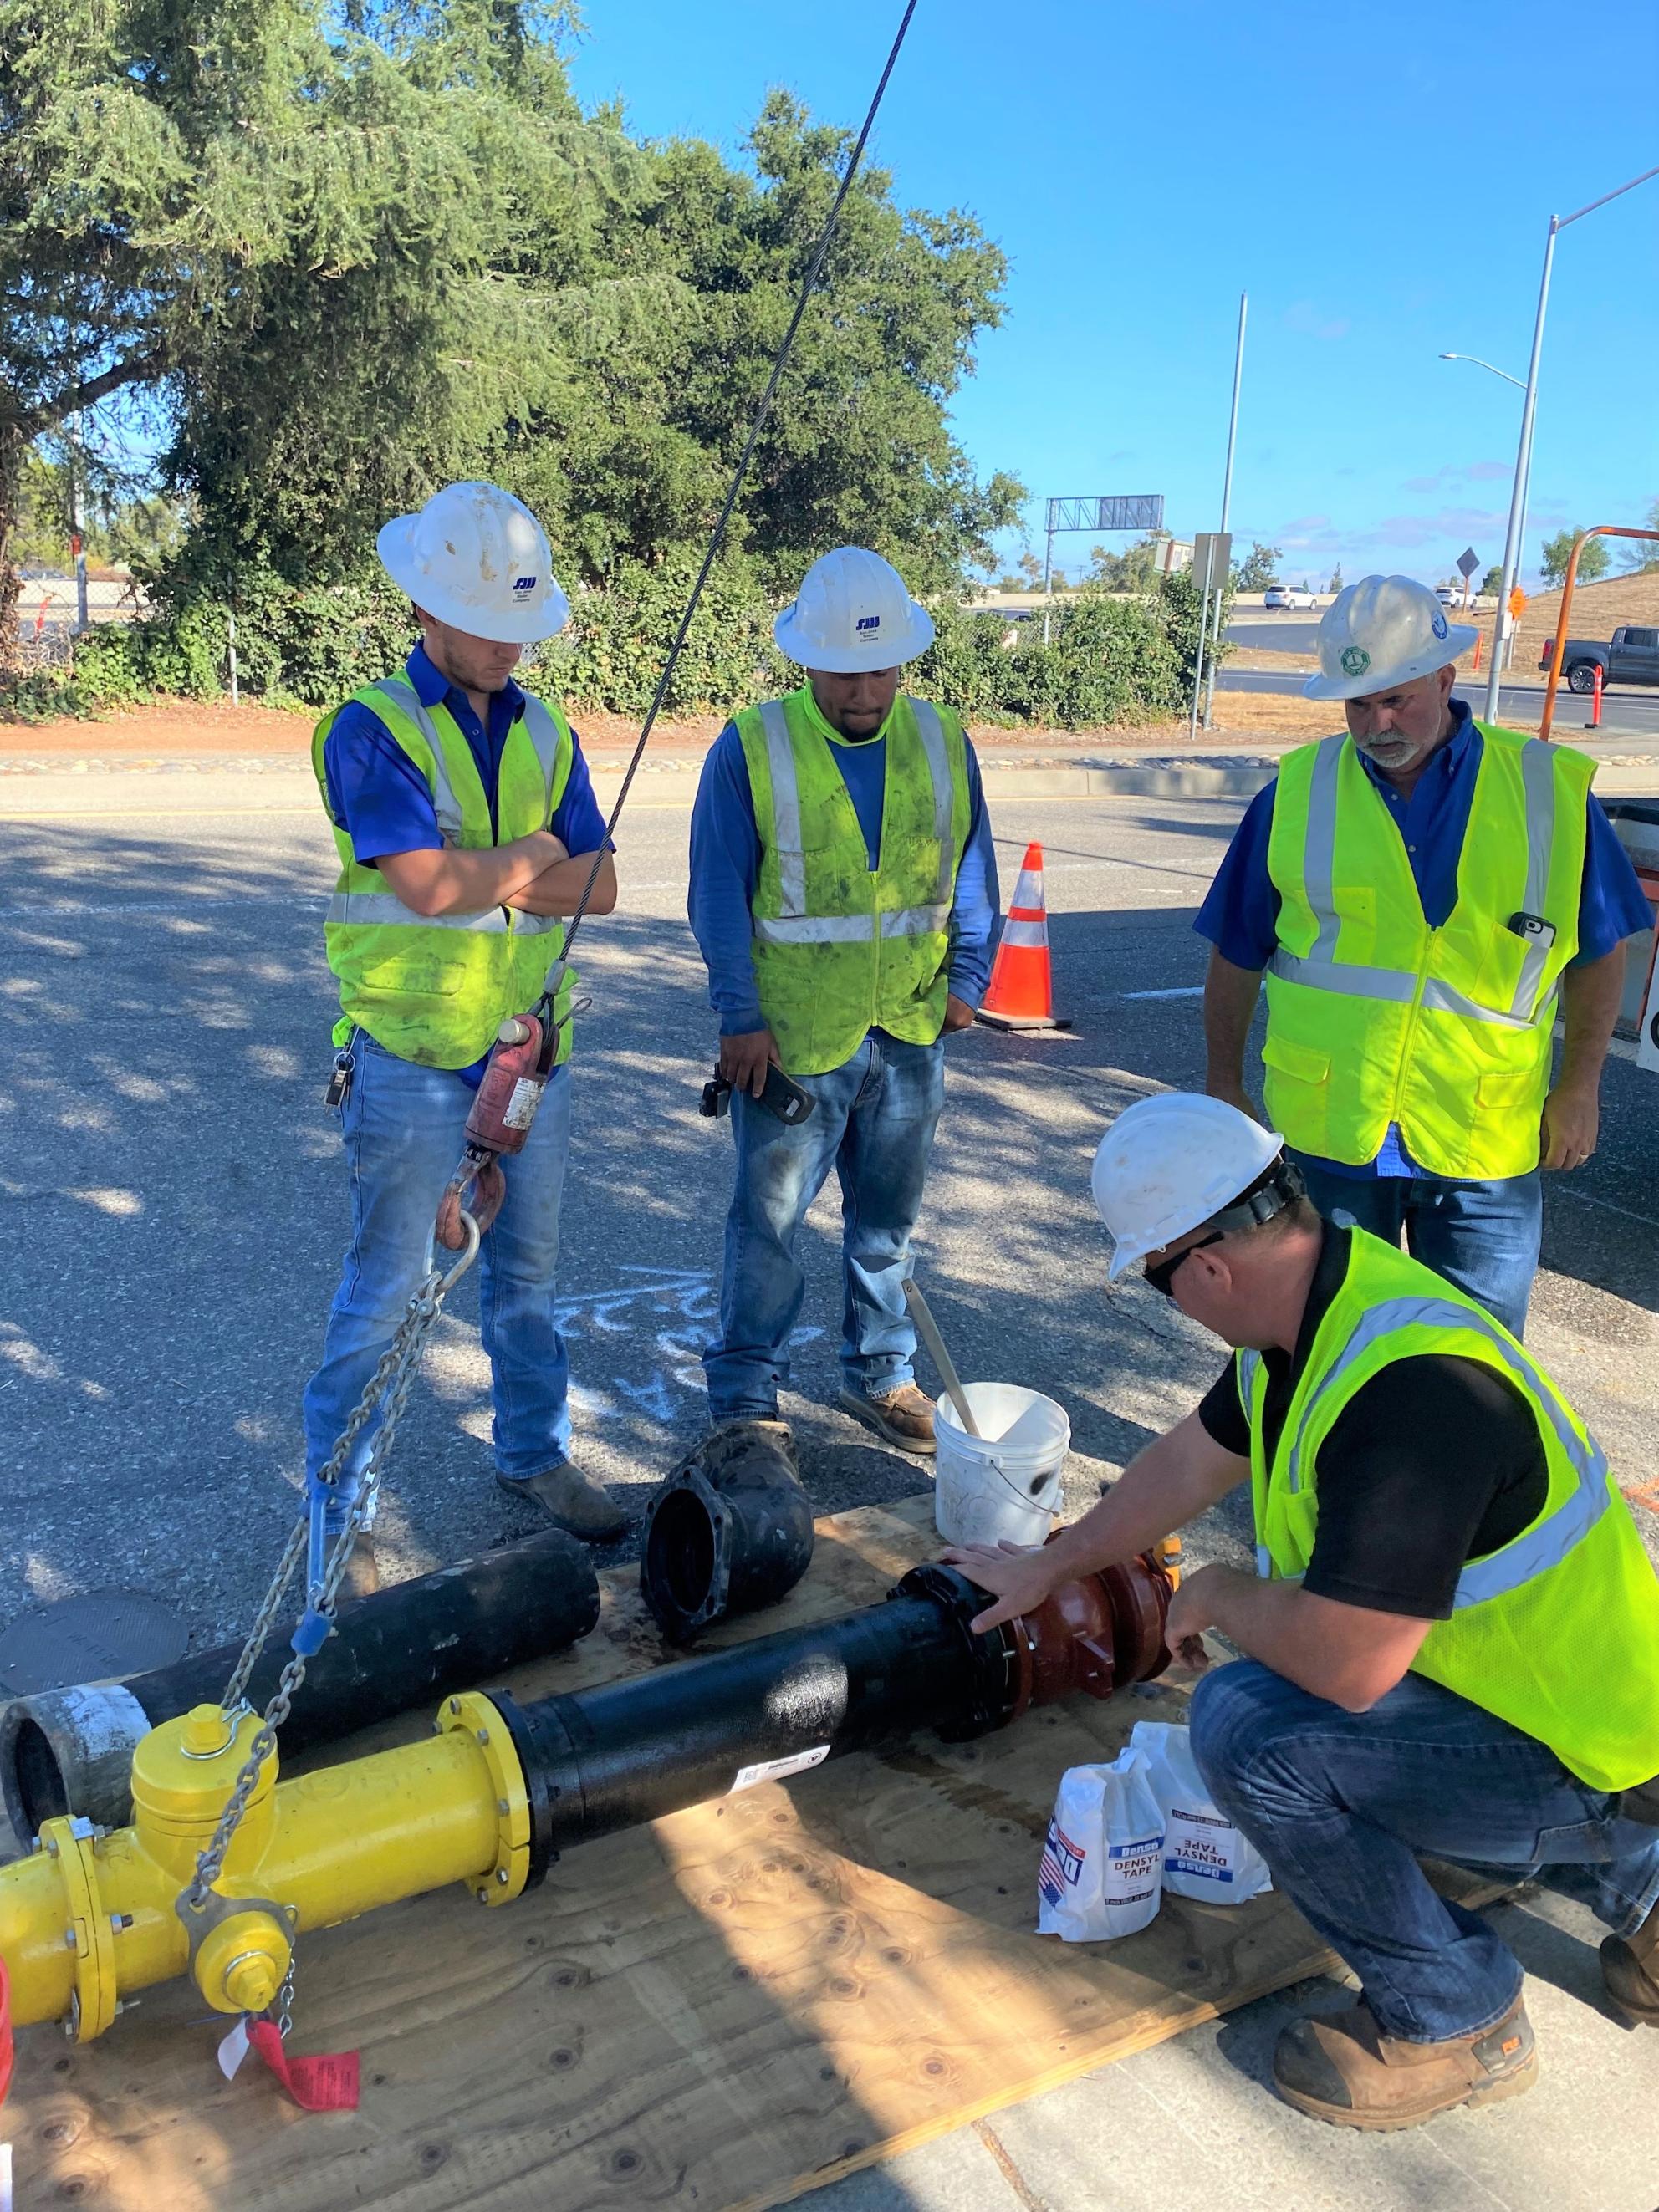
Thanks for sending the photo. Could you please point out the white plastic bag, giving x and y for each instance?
(1102, 1871)
(1204, 1856)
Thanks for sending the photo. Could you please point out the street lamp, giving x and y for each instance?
(1523, 457)
(1526, 490)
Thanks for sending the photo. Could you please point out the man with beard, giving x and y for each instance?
(1420, 895)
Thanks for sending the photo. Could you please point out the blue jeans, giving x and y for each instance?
(402, 1128)
(1338, 1803)
(875, 1123)
(1482, 1236)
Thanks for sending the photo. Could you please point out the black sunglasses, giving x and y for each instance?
(1162, 1276)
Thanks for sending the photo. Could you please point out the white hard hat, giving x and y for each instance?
(476, 558)
(1380, 633)
(852, 613)
(1170, 1164)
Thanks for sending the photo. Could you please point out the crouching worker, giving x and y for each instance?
(466, 826)
(1452, 1638)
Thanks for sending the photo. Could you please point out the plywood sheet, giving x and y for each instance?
(717, 2012)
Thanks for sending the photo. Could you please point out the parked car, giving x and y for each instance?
(1281, 595)
(1630, 656)
(1449, 595)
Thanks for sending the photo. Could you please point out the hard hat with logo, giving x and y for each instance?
(476, 558)
(1380, 632)
(1177, 1161)
(852, 613)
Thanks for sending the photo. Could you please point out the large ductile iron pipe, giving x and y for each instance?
(71, 1750)
(502, 1789)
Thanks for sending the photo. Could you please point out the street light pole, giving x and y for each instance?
(1526, 474)
(1226, 503)
(1523, 455)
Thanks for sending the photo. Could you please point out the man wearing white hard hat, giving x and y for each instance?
(844, 893)
(1422, 896)
(466, 826)
(1441, 1553)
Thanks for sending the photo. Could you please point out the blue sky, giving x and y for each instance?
(1379, 179)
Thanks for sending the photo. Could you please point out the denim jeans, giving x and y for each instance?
(1338, 1803)
(874, 1124)
(1482, 1236)
(402, 1129)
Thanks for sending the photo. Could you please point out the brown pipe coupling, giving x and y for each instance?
(1099, 1634)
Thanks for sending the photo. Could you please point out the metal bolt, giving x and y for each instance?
(454, 1704)
(120, 1922)
(484, 1735)
(501, 1876)
(51, 1847)
(502, 1807)
(484, 1897)
(68, 1940)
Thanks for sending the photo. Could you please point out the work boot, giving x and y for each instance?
(362, 1577)
(1630, 1968)
(1342, 2067)
(572, 1501)
(903, 1416)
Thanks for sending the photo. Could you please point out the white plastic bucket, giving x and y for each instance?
(1004, 1484)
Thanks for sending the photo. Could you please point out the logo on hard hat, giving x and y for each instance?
(1355, 661)
(868, 622)
(525, 583)
(1438, 625)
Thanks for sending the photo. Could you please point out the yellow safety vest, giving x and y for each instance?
(436, 988)
(1372, 1016)
(840, 948)
(1558, 1632)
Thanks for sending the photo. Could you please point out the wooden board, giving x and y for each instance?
(718, 2012)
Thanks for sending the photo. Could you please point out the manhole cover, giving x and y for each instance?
(87, 1639)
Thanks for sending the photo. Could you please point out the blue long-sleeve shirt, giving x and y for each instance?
(1240, 916)
(726, 855)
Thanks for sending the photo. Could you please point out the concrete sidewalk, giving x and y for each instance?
(1192, 2125)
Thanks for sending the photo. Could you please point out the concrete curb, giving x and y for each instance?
(112, 794)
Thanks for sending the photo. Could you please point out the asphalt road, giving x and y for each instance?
(176, 1206)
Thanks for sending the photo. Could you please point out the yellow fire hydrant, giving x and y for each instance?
(93, 1916)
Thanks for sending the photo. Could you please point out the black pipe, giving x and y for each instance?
(630, 1751)
(729, 1531)
(71, 1750)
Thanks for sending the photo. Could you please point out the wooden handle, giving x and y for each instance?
(927, 1329)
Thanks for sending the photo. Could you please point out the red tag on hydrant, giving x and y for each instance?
(326, 2083)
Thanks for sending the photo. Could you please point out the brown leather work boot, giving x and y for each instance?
(1630, 1968)
(1342, 2067)
(903, 1417)
(572, 1501)
(362, 1577)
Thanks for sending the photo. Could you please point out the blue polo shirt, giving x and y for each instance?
(726, 853)
(1240, 916)
(384, 804)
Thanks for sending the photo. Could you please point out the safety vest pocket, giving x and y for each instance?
(1507, 1088)
(1300, 1062)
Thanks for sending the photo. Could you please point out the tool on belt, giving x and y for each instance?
(515, 1079)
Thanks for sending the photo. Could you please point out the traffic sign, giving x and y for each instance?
(1468, 561)
(1517, 602)
(1212, 553)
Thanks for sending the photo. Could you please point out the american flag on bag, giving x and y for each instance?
(1061, 1864)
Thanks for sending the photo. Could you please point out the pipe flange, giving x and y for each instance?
(72, 1842)
(992, 1672)
(472, 1714)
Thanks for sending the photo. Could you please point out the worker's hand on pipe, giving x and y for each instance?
(1019, 1577)
(743, 1059)
(1572, 1117)
(1190, 1616)
(959, 1014)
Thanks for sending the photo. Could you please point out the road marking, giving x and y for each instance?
(1180, 991)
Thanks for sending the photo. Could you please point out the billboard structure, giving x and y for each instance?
(1095, 512)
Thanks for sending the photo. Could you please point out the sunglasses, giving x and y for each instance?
(1162, 1276)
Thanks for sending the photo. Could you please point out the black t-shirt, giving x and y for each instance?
(1435, 1462)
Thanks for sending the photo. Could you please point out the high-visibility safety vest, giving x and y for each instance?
(435, 988)
(1558, 1632)
(840, 948)
(1372, 1016)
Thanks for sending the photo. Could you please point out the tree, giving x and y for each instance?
(1594, 561)
(1031, 569)
(1335, 584)
(1492, 582)
(1258, 568)
(1641, 555)
(1135, 569)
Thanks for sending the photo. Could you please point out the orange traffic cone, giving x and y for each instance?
(1021, 996)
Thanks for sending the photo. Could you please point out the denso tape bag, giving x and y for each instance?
(1102, 1865)
(1204, 1856)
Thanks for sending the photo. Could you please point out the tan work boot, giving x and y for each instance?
(572, 1501)
(1342, 2067)
(1630, 1968)
(362, 1577)
(903, 1417)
